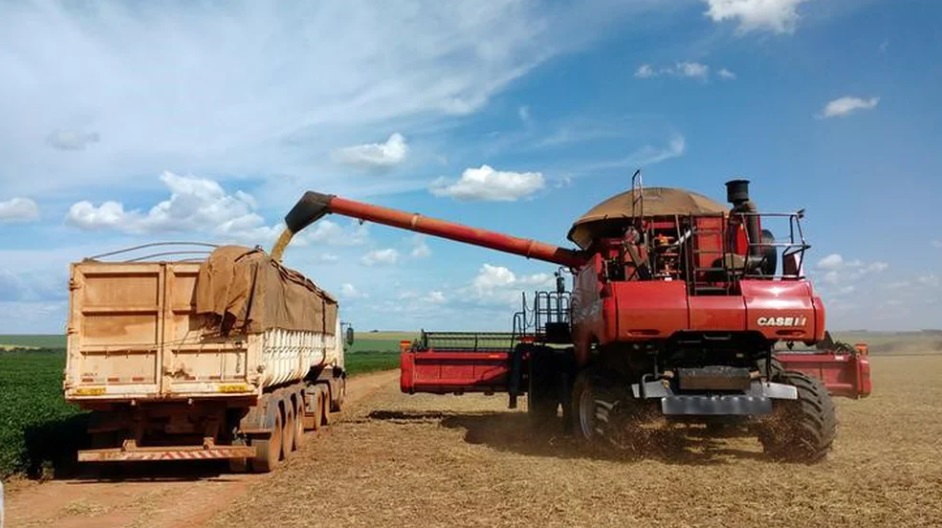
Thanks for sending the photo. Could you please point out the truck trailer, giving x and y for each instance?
(229, 356)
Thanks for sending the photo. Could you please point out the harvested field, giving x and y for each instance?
(467, 461)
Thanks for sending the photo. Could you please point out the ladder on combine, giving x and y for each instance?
(708, 270)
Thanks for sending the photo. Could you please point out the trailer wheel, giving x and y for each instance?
(288, 438)
(801, 430)
(542, 389)
(323, 412)
(317, 403)
(268, 450)
(299, 421)
(336, 404)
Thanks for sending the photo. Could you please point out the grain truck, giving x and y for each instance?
(226, 356)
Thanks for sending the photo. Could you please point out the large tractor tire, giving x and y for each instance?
(588, 419)
(543, 388)
(801, 430)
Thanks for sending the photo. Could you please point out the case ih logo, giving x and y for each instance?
(781, 321)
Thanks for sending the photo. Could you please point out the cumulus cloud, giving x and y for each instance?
(71, 139)
(846, 106)
(349, 291)
(420, 248)
(326, 232)
(645, 71)
(831, 262)
(18, 210)
(778, 16)
(500, 285)
(836, 271)
(485, 183)
(435, 297)
(683, 70)
(377, 257)
(375, 155)
(195, 204)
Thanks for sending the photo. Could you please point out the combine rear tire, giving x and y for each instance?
(801, 430)
(543, 390)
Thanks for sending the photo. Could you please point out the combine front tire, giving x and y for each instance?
(542, 391)
(801, 430)
(587, 415)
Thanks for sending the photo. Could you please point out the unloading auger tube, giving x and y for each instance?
(313, 206)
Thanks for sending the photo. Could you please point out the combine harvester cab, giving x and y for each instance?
(229, 355)
(677, 310)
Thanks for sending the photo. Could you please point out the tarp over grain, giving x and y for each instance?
(243, 290)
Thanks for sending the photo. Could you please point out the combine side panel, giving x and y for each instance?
(454, 372)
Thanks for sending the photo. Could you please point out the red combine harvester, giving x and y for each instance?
(678, 310)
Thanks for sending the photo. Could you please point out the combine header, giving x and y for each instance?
(680, 308)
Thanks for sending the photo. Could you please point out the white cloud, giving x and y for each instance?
(831, 262)
(936, 244)
(645, 71)
(18, 209)
(284, 82)
(195, 205)
(683, 70)
(644, 156)
(331, 233)
(386, 256)
(435, 297)
(485, 183)
(523, 113)
(848, 105)
(840, 273)
(349, 291)
(779, 16)
(693, 69)
(419, 248)
(500, 285)
(375, 155)
(71, 139)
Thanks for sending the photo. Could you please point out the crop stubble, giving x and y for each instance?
(467, 461)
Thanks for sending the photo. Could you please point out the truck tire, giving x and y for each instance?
(268, 450)
(803, 429)
(299, 420)
(317, 403)
(323, 414)
(288, 438)
(542, 388)
(337, 395)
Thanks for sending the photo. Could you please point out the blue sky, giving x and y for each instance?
(127, 123)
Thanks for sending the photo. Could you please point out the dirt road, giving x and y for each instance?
(170, 496)
(402, 460)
